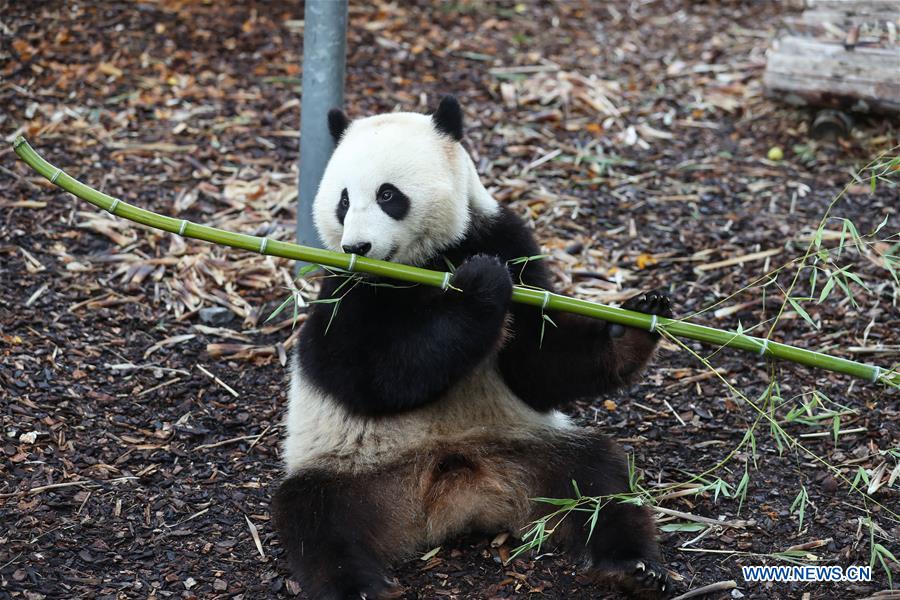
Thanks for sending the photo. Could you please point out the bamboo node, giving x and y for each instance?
(546, 299)
(55, 175)
(446, 283)
(653, 322)
(764, 347)
(182, 227)
(18, 142)
(112, 207)
(876, 374)
(262, 245)
(352, 263)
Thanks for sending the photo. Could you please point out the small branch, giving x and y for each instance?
(227, 387)
(698, 519)
(708, 589)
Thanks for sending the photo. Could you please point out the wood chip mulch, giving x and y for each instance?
(142, 392)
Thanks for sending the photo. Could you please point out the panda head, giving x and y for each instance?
(399, 186)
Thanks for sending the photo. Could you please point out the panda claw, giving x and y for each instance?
(637, 579)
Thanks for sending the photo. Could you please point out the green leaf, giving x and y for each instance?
(430, 554)
(450, 266)
(836, 427)
(802, 312)
(817, 240)
(741, 490)
(556, 501)
(857, 280)
(861, 475)
(280, 308)
(829, 285)
(525, 259)
(812, 281)
(857, 239)
(305, 270)
(577, 491)
(544, 320)
(799, 505)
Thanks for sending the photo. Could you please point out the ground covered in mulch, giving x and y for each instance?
(142, 392)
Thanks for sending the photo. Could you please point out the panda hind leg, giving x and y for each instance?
(329, 528)
(621, 549)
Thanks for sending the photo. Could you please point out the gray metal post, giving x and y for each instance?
(324, 55)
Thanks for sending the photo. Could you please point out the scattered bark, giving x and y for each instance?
(127, 476)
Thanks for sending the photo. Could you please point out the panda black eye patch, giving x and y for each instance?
(392, 201)
(343, 205)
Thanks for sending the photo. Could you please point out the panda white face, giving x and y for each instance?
(396, 188)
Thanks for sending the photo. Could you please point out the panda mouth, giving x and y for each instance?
(390, 254)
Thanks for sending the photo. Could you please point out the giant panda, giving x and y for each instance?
(415, 413)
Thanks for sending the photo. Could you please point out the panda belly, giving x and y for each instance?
(322, 434)
(469, 460)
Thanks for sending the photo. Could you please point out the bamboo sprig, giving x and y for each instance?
(542, 299)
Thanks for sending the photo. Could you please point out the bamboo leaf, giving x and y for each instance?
(836, 427)
(556, 501)
(280, 308)
(829, 285)
(802, 312)
(306, 270)
(526, 259)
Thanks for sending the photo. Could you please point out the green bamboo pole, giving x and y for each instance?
(523, 295)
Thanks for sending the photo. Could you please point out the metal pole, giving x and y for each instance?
(324, 55)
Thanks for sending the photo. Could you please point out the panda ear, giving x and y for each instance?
(448, 118)
(337, 123)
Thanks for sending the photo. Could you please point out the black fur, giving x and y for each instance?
(448, 118)
(328, 529)
(343, 206)
(337, 124)
(390, 349)
(598, 467)
(578, 357)
(392, 201)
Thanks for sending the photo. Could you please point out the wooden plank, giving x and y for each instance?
(805, 70)
(874, 7)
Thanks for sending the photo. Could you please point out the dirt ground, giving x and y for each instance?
(140, 435)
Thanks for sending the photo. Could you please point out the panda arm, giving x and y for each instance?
(388, 350)
(579, 357)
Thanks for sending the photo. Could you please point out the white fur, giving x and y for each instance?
(432, 170)
(321, 433)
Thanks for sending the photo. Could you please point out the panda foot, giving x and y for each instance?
(376, 589)
(651, 303)
(637, 579)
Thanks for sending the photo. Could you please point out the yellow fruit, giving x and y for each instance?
(775, 153)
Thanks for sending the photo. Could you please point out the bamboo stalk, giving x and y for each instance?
(542, 299)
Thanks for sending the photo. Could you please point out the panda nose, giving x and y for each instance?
(361, 248)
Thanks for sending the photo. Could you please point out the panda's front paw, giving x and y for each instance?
(651, 303)
(485, 280)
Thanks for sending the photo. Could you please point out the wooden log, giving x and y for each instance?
(807, 71)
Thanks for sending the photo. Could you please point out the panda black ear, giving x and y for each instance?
(448, 118)
(337, 123)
